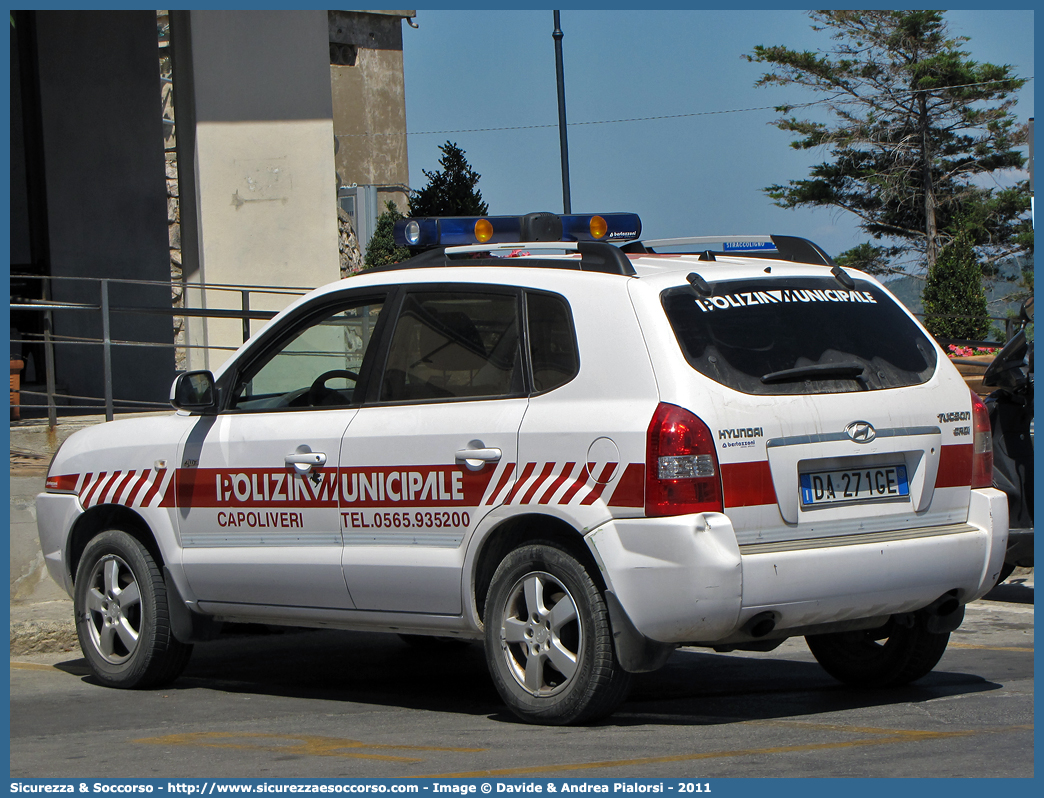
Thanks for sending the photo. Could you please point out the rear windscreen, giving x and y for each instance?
(799, 336)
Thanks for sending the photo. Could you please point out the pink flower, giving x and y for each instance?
(954, 351)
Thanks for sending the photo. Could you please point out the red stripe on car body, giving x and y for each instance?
(521, 481)
(154, 488)
(566, 472)
(747, 484)
(630, 490)
(603, 483)
(955, 466)
(538, 482)
(578, 482)
(503, 481)
(88, 497)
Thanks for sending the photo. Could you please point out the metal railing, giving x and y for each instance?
(54, 400)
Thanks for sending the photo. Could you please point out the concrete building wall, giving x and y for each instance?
(369, 101)
(255, 163)
(102, 153)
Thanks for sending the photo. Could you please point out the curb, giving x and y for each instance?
(43, 637)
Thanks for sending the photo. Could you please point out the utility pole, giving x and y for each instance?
(566, 203)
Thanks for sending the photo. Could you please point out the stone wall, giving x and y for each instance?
(170, 143)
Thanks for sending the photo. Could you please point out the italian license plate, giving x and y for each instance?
(854, 485)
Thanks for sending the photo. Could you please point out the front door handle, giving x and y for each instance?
(477, 455)
(304, 460)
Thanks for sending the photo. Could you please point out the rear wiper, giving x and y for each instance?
(820, 371)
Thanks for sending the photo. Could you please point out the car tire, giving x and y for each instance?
(893, 655)
(122, 616)
(549, 644)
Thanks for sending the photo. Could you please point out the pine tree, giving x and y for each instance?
(382, 249)
(451, 190)
(954, 300)
(917, 124)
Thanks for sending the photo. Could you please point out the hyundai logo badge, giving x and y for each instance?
(861, 431)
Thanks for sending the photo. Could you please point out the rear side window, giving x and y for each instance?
(552, 341)
(454, 345)
(799, 336)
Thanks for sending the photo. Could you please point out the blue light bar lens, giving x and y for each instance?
(412, 232)
(456, 231)
(416, 233)
(619, 227)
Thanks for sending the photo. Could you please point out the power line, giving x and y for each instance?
(663, 116)
(572, 124)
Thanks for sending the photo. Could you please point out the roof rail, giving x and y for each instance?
(777, 247)
(595, 256)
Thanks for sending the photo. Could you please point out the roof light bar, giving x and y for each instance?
(447, 231)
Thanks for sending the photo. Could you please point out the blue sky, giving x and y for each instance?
(694, 175)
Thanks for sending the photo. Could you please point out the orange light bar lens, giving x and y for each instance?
(598, 227)
(483, 230)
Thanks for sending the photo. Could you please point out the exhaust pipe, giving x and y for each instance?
(944, 614)
(761, 624)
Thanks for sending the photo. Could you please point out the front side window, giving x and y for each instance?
(316, 366)
(799, 335)
(454, 345)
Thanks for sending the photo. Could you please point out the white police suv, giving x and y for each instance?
(586, 455)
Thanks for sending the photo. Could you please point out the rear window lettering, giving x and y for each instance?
(779, 295)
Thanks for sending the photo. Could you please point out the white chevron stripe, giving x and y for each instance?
(492, 484)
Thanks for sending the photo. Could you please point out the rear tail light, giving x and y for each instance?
(681, 469)
(982, 445)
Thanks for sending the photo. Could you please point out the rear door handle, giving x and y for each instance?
(304, 460)
(477, 455)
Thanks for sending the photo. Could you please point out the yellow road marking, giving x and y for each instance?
(70, 668)
(303, 744)
(808, 724)
(1028, 649)
(841, 727)
(889, 737)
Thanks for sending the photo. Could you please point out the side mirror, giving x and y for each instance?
(1026, 311)
(1006, 370)
(194, 390)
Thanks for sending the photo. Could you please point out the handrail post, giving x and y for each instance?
(246, 319)
(52, 410)
(106, 349)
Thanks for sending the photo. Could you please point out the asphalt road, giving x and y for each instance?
(331, 704)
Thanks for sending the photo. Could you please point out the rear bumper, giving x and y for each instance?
(685, 579)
